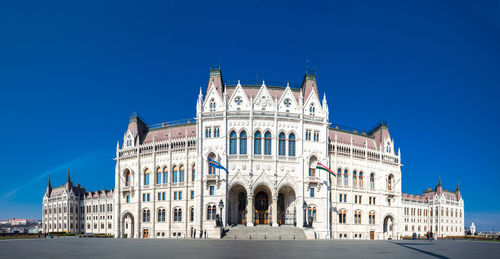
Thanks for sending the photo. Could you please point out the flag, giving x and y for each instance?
(216, 165)
(323, 167)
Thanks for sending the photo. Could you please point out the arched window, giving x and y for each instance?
(129, 141)
(339, 177)
(158, 176)
(311, 212)
(193, 173)
(177, 215)
(174, 174)
(282, 147)
(372, 181)
(371, 218)
(346, 178)
(267, 143)
(128, 178)
(146, 215)
(161, 215)
(181, 174)
(357, 217)
(291, 144)
(257, 141)
(342, 216)
(390, 180)
(360, 182)
(312, 109)
(243, 143)
(191, 214)
(212, 105)
(146, 177)
(211, 212)
(354, 179)
(232, 143)
(165, 175)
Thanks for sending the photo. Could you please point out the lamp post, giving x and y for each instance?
(304, 207)
(221, 206)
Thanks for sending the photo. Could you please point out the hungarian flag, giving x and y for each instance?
(323, 167)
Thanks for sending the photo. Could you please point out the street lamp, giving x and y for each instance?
(221, 206)
(304, 207)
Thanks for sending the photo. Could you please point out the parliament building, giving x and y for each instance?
(270, 139)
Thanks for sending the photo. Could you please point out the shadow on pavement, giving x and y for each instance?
(407, 245)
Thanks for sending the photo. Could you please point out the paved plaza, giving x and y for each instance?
(260, 249)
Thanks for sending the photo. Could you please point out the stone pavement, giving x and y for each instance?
(179, 248)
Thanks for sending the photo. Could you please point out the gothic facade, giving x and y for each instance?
(270, 139)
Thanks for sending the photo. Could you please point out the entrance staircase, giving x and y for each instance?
(262, 232)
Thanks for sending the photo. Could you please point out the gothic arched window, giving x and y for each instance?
(243, 143)
(282, 145)
(267, 143)
(232, 143)
(212, 105)
(146, 177)
(291, 144)
(257, 149)
(312, 109)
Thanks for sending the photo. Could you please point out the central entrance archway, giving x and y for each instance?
(237, 205)
(261, 208)
(287, 210)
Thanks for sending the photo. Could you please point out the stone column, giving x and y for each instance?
(274, 208)
(250, 211)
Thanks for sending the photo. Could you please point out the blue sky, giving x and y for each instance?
(71, 72)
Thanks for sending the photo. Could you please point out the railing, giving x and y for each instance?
(313, 179)
(211, 177)
(172, 123)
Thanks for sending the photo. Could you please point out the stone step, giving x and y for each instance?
(262, 232)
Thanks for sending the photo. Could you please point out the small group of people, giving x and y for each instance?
(193, 233)
(429, 235)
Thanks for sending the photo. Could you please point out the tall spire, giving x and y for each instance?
(457, 192)
(439, 188)
(68, 179)
(49, 188)
(69, 184)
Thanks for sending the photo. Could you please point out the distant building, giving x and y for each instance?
(16, 222)
(69, 208)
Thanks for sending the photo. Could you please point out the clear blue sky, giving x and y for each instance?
(71, 72)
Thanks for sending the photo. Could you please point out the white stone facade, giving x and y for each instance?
(270, 139)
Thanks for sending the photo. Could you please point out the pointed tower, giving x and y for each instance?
(216, 81)
(457, 192)
(69, 184)
(439, 187)
(49, 188)
(308, 84)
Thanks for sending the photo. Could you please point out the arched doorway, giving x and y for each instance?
(261, 208)
(237, 205)
(388, 227)
(287, 210)
(128, 225)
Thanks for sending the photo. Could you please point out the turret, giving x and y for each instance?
(309, 84)
(216, 81)
(439, 187)
(457, 192)
(69, 184)
(49, 188)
